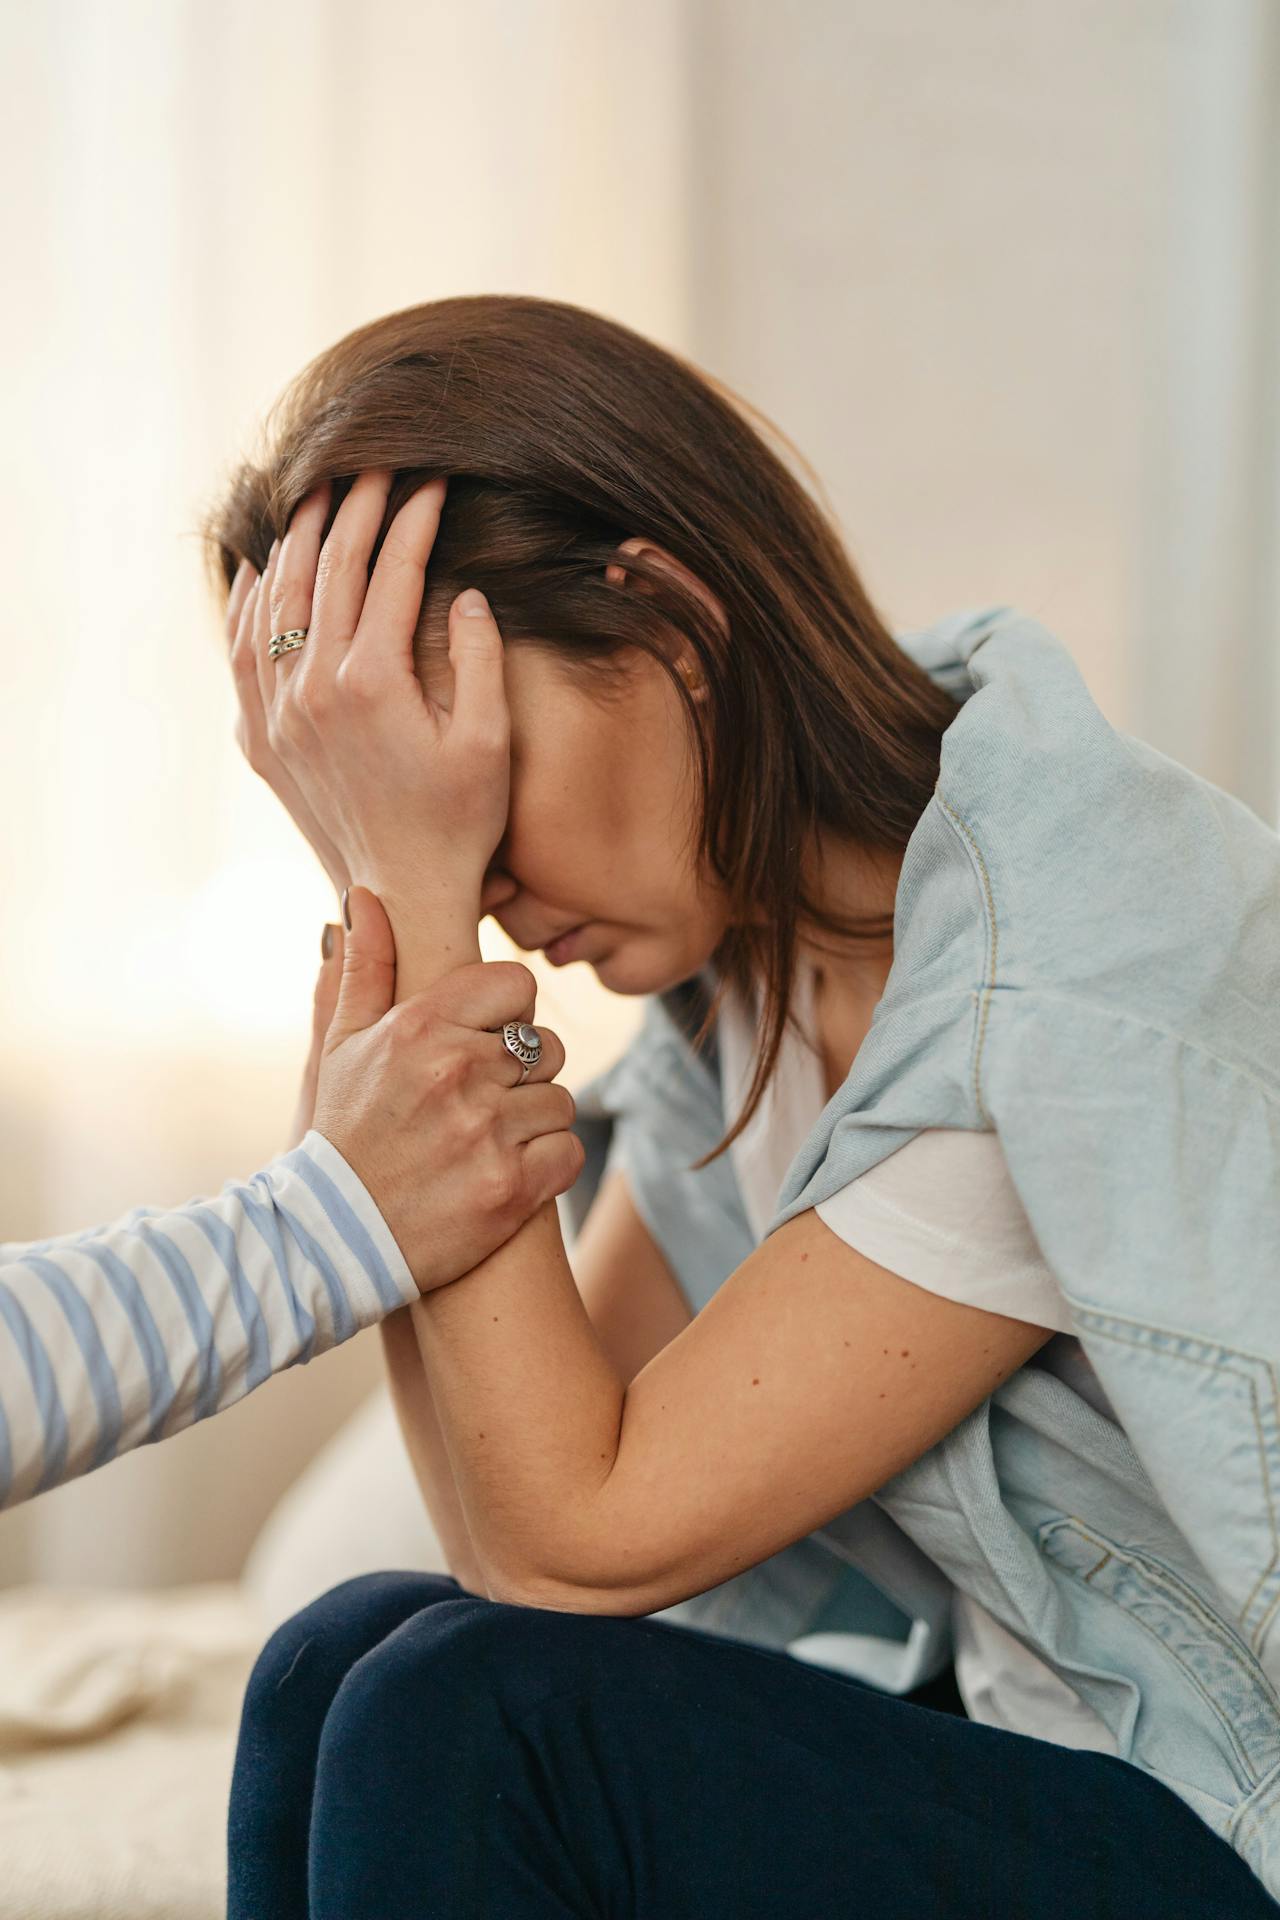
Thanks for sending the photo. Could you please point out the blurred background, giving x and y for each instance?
(1008, 272)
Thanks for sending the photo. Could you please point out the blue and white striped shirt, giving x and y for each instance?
(123, 1334)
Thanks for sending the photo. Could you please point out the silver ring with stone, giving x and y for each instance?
(524, 1042)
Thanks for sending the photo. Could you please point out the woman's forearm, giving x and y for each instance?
(526, 1400)
(428, 1455)
(531, 1408)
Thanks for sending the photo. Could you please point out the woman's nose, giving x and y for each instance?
(498, 888)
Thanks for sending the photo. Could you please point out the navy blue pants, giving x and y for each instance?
(411, 1751)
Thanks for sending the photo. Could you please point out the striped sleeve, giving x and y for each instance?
(122, 1334)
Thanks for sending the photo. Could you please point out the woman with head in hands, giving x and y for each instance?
(932, 1219)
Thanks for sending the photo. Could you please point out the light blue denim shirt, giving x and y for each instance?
(1086, 961)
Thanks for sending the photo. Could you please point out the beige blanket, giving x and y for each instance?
(118, 1720)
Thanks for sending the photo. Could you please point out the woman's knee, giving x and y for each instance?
(441, 1729)
(463, 1666)
(316, 1645)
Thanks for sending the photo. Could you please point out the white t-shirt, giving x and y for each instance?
(943, 1213)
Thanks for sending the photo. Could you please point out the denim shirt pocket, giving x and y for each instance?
(1239, 1457)
(1218, 1664)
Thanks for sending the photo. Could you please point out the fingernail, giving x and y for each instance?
(326, 940)
(472, 602)
(275, 548)
(346, 909)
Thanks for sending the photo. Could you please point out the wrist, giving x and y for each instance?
(436, 927)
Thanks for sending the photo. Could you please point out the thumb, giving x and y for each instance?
(367, 989)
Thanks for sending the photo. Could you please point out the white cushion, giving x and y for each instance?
(356, 1509)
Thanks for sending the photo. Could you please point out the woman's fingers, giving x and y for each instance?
(548, 1065)
(342, 573)
(553, 1162)
(476, 656)
(262, 630)
(376, 763)
(532, 1111)
(246, 672)
(482, 997)
(509, 1070)
(250, 668)
(295, 572)
(244, 665)
(486, 993)
(241, 587)
(384, 631)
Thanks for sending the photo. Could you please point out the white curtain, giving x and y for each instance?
(198, 199)
(1006, 271)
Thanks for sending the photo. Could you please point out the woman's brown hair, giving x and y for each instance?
(564, 433)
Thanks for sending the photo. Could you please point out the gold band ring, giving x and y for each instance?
(286, 642)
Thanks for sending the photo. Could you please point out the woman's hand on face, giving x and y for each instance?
(413, 796)
(251, 721)
(431, 1111)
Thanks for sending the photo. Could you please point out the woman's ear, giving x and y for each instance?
(686, 663)
(692, 675)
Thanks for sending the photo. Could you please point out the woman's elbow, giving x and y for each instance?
(558, 1596)
(615, 1560)
(610, 1585)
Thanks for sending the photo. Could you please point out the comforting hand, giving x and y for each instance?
(429, 1109)
(323, 1001)
(412, 796)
